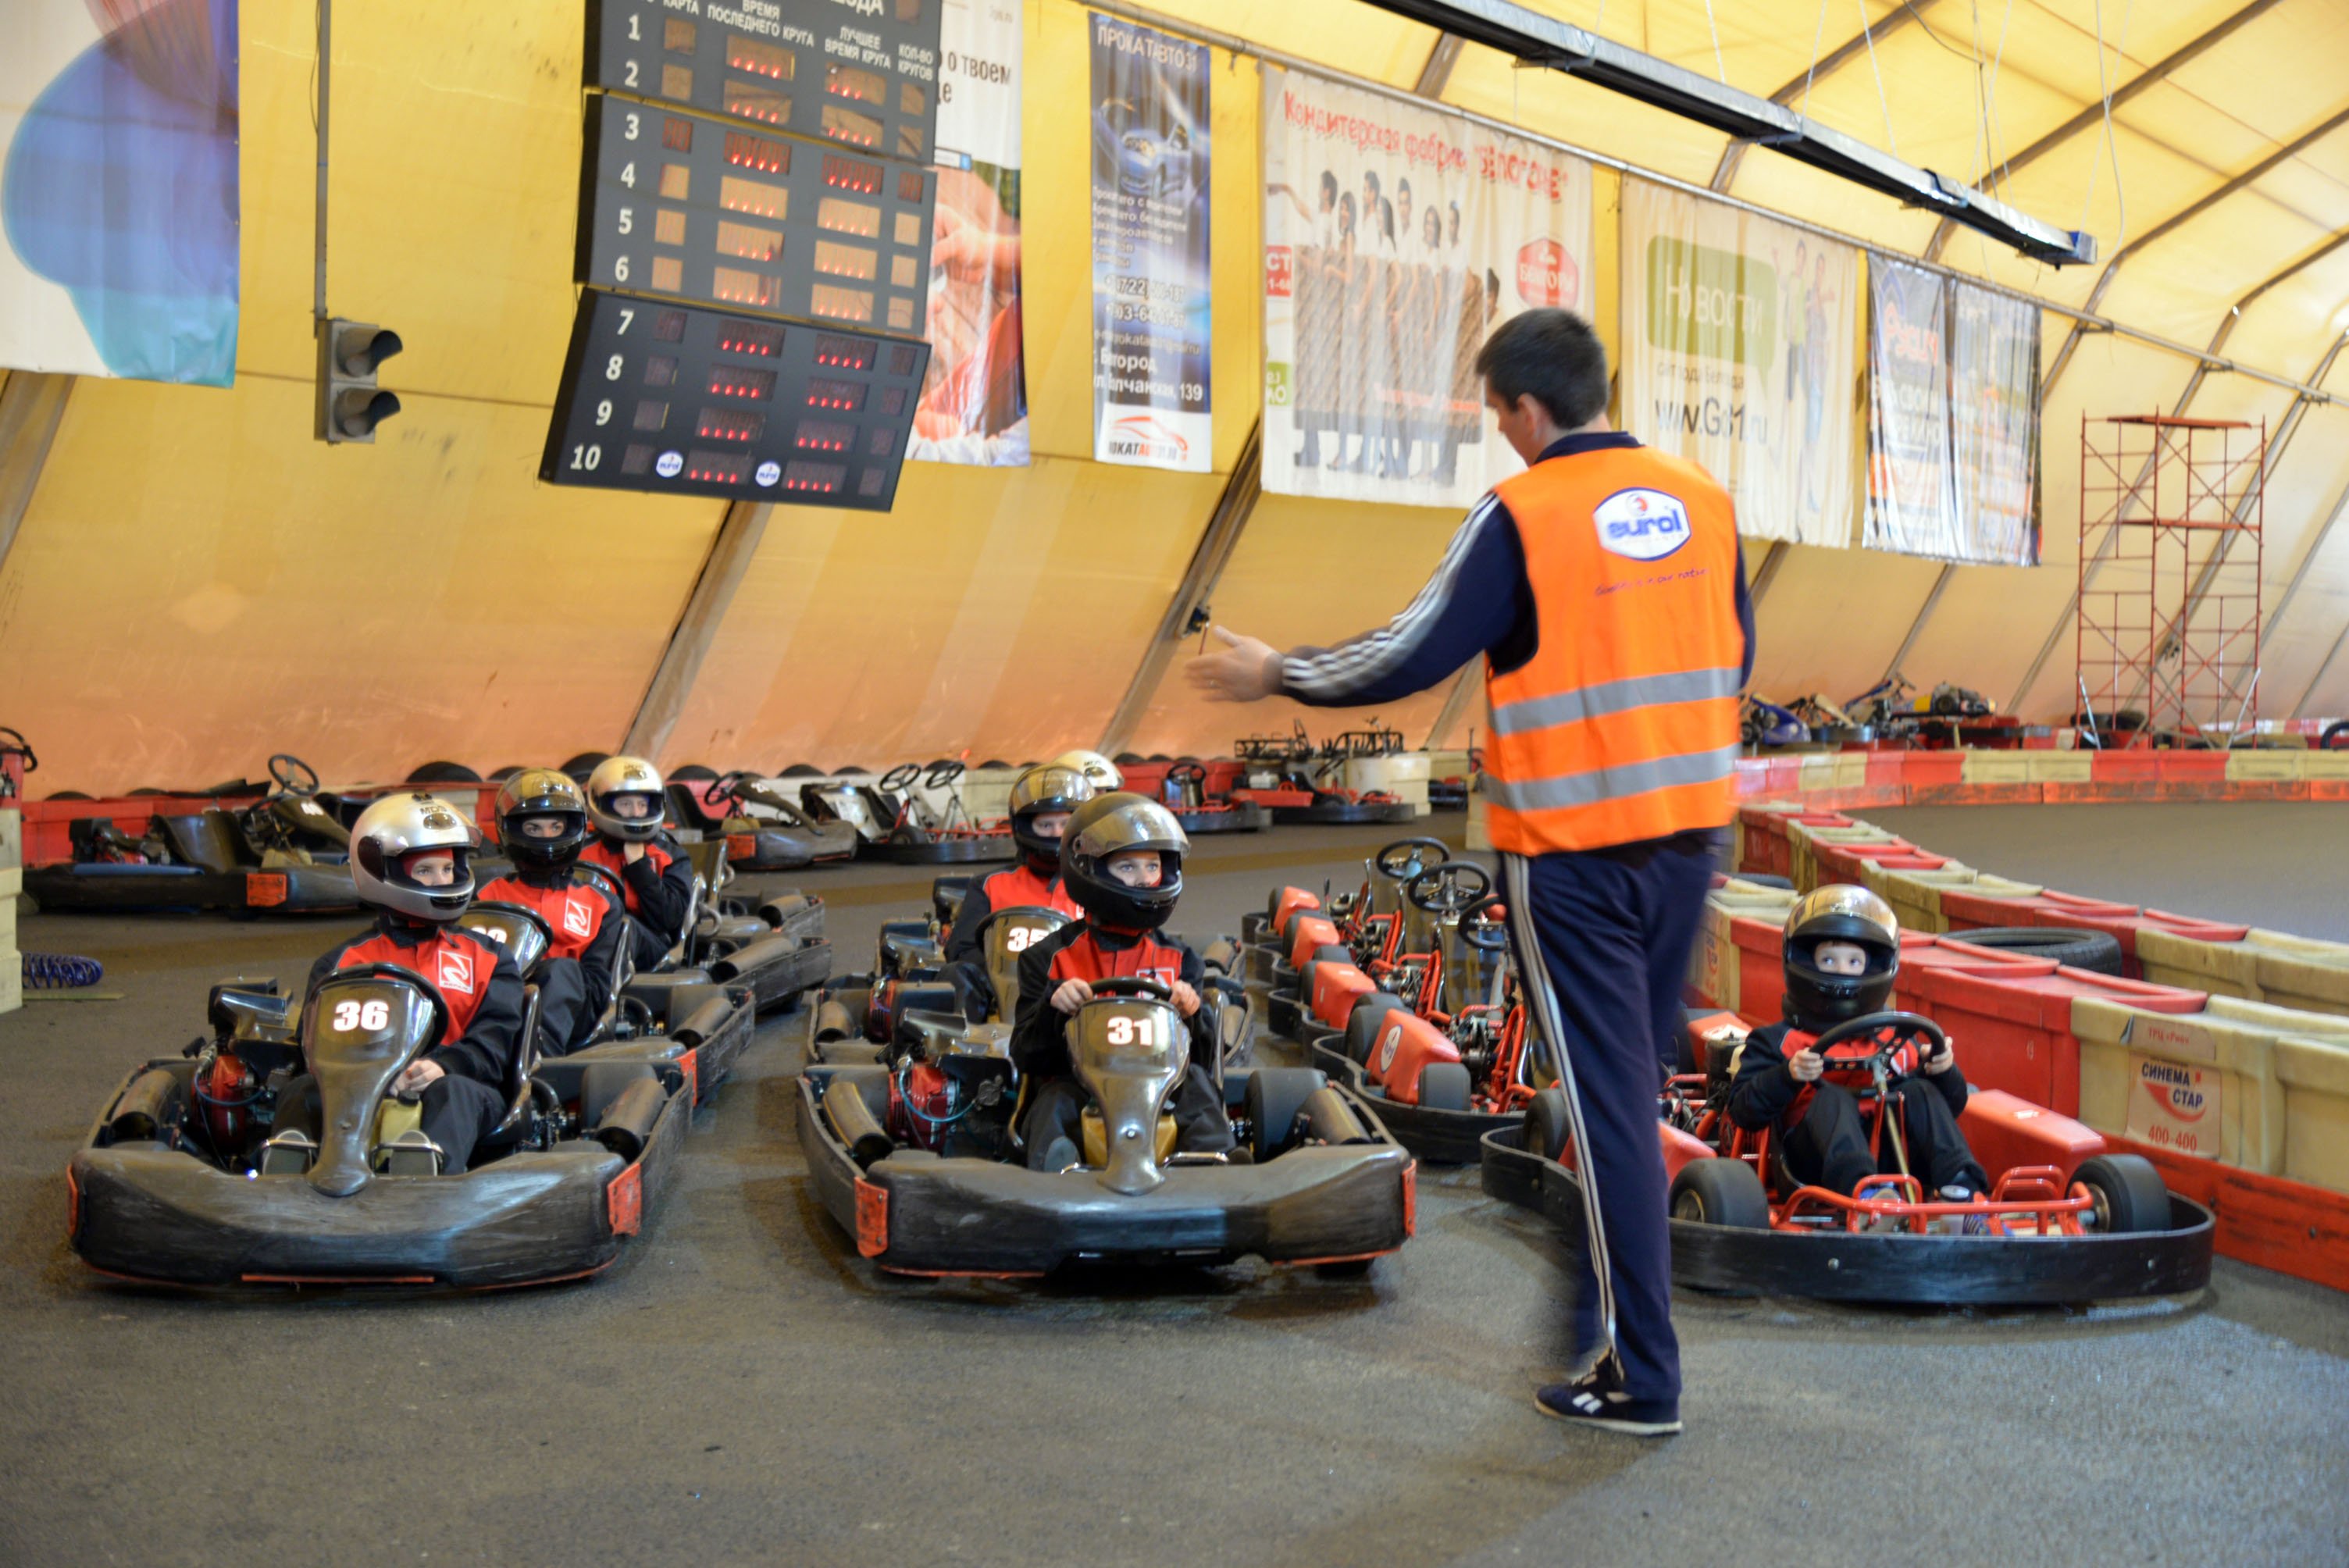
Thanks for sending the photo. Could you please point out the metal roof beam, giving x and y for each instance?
(2152, 77)
(1545, 41)
(1725, 173)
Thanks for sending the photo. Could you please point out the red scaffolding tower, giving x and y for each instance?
(2171, 514)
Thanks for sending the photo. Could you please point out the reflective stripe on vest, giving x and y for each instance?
(1623, 725)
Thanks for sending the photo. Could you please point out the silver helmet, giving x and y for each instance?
(618, 776)
(398, 826)
(1106, 777)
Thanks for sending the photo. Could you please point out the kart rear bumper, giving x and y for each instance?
(1239, 817)
(1342, 812)
(102, 886)
(1925, 1270)
(918, 1213)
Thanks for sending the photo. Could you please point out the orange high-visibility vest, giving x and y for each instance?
(1623, 725)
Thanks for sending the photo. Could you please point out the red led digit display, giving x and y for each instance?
(757, 103)
(668, 327)
(741, 381)
(845, 353)
(742, 287)
(762, 59)
(822, 436)
(821, 478)
(909, 186)
(840, 304)
(893, 401)
(714, 468)
(747, 151)
(843, 397)
(845, 124)
(753, 242)
(859, 217)
(852, 174)
(730, 425)
(677, 135)
(750, 337)
(849, 82)
(755, 197)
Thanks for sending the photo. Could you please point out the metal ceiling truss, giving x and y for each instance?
(1545, 41)
(1725, 173)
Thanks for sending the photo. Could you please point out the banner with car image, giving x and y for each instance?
(1738, 353)
(1151, 319)
(1395, 239)
(974, 404)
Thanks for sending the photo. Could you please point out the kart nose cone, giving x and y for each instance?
(336, 1180)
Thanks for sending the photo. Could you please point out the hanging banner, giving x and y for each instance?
(974, 405)
(1396, 238)
(1954, 418)
(1739, 349)
(1151, 322)
(1994, 425)
(1911, 505)
(119, 192)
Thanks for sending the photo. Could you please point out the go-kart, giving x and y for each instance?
(1300, 782)
(2064, 1220)
(283, 854)
(895, 823)
(1417, 1006)
(186, 1181)
(775, 951)
(1829, 725)
(1768, 726)
(1321, 1183)
(1183, 791)
(764, 828)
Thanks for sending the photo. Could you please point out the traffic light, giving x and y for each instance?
(350, 405)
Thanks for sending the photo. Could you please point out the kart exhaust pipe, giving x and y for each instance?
(145, 1108)
(1326, 1118)
(738, 963)
(854, 1122)
(793, 914)
(628, 1123)
(834, 1021)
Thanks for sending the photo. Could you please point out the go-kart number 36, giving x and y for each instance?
(1125, 1029)
(362, 1015)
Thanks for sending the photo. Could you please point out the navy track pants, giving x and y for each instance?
(1602, 940)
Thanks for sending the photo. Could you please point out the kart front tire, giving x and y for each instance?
(1443, 1086)
(1274, 1097)
(2128, 1192)
(1548, 1124)
(1721, 1192)
(1363, 1024)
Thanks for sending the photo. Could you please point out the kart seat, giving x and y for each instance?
(685, 808)
(209, 839)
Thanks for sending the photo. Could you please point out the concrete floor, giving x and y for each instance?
(742, 1389)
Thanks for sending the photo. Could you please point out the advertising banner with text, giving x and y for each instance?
(1739, 350)
(1395, 240)
(974, 406)
(1150, 320)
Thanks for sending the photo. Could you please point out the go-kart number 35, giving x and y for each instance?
(362, 1015)
(1125, 1029)
(1019, 938)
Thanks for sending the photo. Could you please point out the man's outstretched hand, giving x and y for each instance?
(1241, 670)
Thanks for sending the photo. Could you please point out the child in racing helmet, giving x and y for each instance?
(624, 803)
(1121, 862)
(1842, 953)
(1042, 799)
(1104, 775)
(411, 861)
(542, 826)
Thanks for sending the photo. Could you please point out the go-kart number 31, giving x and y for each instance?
(1128, 1030)
(362, 1015)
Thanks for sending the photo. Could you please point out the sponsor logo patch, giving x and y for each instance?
(1641, 524)
(456, 972)
(575, 917)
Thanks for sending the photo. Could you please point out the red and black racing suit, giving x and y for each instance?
(574, 977)
(659, 890)
(1819, 1128)
(484, 990)
(1040, 1046)
(1022, 887)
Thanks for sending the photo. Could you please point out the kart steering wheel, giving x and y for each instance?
(402, 972)
(942, 773)
(900, 777)
(1187, 773)
(1140, 985)
(1448, 887)
(590, 874)
(292, 775)
(729, 786)
(1905, 1027)
(1482, 931)
(1401, 859)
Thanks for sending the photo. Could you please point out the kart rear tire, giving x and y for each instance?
(1274, 1097)
(502, 774)
(1362, 1026)
(2097, 951)
(443, 773)
(1548, 1124)
(585, 763)
(1443, 1086)
(1764, 879)
(2335, 737)
(2128, 1190)
(604, 1083)
(692, 773)
(1724, 1193)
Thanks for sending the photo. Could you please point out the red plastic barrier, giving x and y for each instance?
(2013, 1030)
(1847, 863)
(1768, 848)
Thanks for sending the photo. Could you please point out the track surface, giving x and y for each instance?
(741, 1388)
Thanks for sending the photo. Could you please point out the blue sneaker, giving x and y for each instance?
(1598, 1401)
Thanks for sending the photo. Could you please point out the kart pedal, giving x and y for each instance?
(289, 1153)
(411, 1154)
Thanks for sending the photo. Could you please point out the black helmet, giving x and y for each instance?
(618, 776)
(542, 792)
(1039, 792)
(1816, 1001)
(401, 825)
(1110, 825)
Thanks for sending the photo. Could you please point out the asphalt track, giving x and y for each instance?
(742, 1389)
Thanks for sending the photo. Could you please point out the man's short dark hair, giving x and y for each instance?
(1552, 356)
